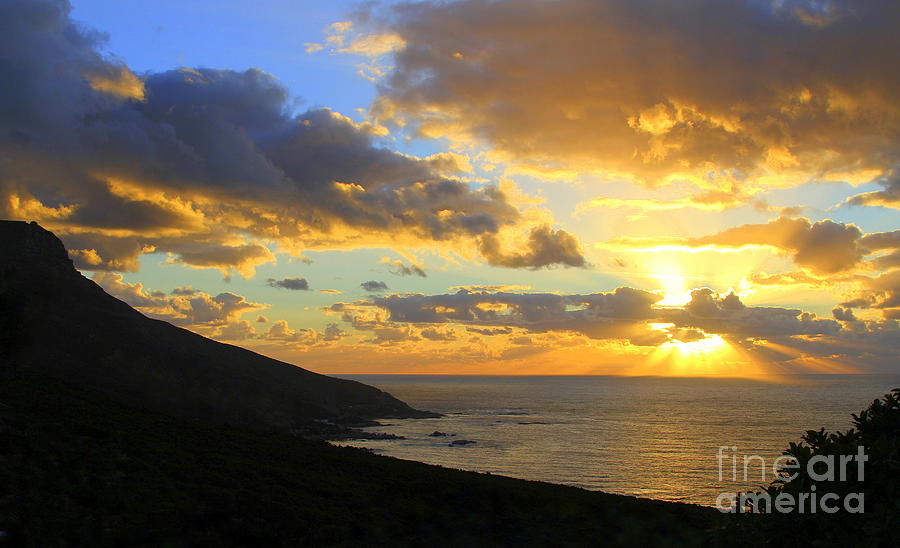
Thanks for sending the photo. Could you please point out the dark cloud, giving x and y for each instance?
(824, 246)
(601, 315)
(374, 287)
(100, 252)
(333, 332)
(488, 307)
(545, 247)
(185, 291)
(843, 314)
(399, 268)
(243, 258)
(202, 163)
(727, 315)
(294, 284)
(436, 334)
(626, 314)
(881, 292)
(490, 331)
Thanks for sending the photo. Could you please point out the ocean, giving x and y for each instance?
(668, 438)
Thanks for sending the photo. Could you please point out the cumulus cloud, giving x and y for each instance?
(294, 284)
(843, 314)
(696, 90)
(280, 331)
(727, 315)
(544, 247)
(238, 331)
(373, 286)
(218, 316)
(208, 165)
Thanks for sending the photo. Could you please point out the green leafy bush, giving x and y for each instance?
(866, 498)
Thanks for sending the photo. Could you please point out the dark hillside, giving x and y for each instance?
(77, 469)
(56, 322)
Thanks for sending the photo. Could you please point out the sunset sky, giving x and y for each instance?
(636, 187)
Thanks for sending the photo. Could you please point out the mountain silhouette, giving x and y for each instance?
(56, 322)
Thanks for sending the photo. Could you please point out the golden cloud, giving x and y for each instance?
(703, 91)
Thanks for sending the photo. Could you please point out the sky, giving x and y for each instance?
(631, 187)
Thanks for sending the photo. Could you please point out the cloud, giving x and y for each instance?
(696, 90)
(490, 331)
(843, 314)
(882, 240)
(626, 314)
(514, 308)
(889, 197)
(242, 258)
(627, 326)
(491, 287)
(880, 292)
(185, 306)
(436, 334)
(262, 319)
(727, 315)
(294, 284)
(825, 247)
(709, 200)
(544, 247)
(601, 315)
(238, 331)
(789, 278)
(209, 165)
(374, 287)
(399, 268)
(281, 332)
(184, 291)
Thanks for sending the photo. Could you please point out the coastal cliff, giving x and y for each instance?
(56, 322)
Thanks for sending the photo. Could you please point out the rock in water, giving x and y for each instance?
(458, 443)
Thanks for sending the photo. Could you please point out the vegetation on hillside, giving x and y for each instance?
(871, 515)
(77, 468)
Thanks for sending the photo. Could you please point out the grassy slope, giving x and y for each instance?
(77, 468)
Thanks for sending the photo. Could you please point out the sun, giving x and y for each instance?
(668, 273)
(711, 343)
(693, 352)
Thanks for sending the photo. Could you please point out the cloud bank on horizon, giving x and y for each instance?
(712, 104)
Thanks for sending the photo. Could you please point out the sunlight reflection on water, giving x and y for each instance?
(649, 436)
